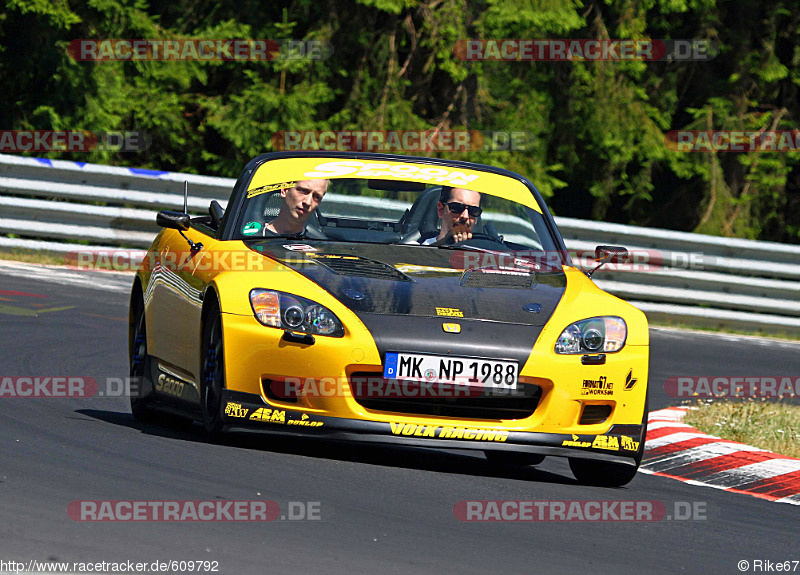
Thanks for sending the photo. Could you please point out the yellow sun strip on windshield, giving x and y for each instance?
(269, 188)
(296, 169)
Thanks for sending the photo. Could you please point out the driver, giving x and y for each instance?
(297, 205)
(459, 210)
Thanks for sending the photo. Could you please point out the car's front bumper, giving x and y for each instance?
(249, 412)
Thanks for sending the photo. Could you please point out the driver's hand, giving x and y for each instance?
(461, 233)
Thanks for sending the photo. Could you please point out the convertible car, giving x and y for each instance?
(372, 324)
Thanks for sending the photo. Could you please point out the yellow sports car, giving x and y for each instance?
(393, 299)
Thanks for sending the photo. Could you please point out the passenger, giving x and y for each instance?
(298, 203)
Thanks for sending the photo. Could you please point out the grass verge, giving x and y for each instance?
(768, 425)
(31, 257)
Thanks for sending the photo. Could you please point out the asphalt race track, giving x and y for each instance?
(387, 510)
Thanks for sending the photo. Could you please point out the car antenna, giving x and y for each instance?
(196, 246)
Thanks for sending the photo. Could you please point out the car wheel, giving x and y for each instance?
(511, 458)
(141, 388)
(605, 474)
(212, 375)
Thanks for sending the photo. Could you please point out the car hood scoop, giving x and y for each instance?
(356, 266)
(420, 281)
(498, 278)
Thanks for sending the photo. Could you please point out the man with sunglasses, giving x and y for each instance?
(459, 210)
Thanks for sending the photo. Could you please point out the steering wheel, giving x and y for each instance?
(481, 238)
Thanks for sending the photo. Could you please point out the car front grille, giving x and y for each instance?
(411, 398)
(593, 414)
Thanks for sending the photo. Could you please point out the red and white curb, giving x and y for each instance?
(675, 449)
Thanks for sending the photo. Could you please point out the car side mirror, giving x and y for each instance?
(174, 220)
(608, 254)
(611, 254)
(178, 221)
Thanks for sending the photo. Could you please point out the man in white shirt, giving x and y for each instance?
(298, 203)
(459, 210)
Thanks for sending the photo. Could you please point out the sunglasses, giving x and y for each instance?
(458, 208)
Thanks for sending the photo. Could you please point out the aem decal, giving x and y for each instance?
(606, 442)
(271, 415)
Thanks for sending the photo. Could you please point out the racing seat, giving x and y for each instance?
(421, 218)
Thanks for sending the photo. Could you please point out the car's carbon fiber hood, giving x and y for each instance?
(421, 281)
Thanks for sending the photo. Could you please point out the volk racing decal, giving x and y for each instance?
(448, 432)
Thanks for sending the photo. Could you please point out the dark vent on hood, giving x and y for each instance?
(355, 266)
(494, 278)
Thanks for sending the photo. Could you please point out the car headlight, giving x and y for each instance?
(594, 335)
(295, 313)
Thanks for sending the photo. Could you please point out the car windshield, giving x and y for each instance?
(380, 209)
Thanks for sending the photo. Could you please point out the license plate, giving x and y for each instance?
(491, 373)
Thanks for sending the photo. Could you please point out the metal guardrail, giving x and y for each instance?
(675, 276)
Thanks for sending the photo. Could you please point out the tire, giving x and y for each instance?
(605, 474)
(141, 388)
(512, 458)
(212, 374)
